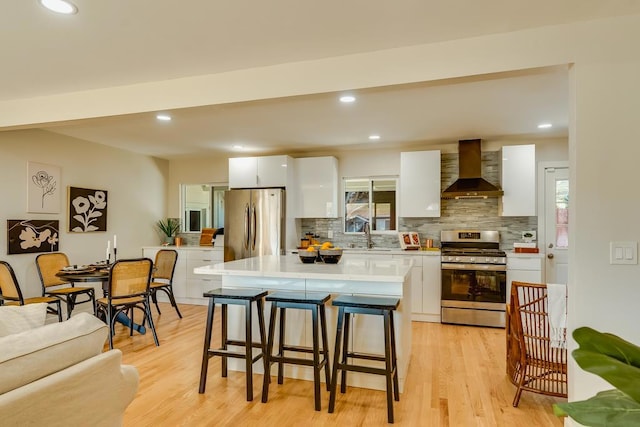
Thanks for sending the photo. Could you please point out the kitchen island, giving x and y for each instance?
(352, 276)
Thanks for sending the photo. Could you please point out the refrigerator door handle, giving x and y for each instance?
(245, 240)
(254, 225)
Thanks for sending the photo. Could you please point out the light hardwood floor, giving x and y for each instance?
(456, 378)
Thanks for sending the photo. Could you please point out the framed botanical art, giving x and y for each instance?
(31, 236)
(43, 188)
(87, 210)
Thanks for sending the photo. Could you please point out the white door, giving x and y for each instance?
(556, 211)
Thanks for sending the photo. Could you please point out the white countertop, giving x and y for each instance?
(290, 266)
(383, 251)
(187, 247)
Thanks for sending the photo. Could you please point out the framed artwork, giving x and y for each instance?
(31, 236)
(43, 188)
(409, 240)
(87, 210)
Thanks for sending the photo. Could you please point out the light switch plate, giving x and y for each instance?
(623, 252)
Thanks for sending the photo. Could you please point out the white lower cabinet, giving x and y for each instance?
(416, 282)
(425, 287)
(187, 286)
(523, 268)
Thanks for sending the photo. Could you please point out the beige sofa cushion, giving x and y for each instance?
(94, 392)
(30, 355)
(18, 318)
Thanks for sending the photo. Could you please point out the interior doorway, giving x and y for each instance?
(553, 219)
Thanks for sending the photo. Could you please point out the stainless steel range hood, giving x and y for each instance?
(470, 184)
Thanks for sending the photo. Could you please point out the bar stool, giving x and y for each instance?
(234, 297)
(313, 302)
(379, 306)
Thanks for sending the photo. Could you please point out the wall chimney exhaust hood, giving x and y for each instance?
(470, 184)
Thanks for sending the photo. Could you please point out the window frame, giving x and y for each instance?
(370, 180)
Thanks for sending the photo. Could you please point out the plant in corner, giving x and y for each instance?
(169, 228)
(618, 362)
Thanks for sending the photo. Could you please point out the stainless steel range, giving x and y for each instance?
(474, 278)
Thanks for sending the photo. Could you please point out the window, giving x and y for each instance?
(370, 200)
(202, 207)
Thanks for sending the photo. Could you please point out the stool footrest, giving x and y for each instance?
(365, 369)
(296, 361)
(366, 356)
(299, 349)
(231, 353)
(243, 343)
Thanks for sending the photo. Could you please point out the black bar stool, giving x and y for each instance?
(235, 297)
(379, 306)
(313, 302)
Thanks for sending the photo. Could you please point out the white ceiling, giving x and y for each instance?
(120, 42)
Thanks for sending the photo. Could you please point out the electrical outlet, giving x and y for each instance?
(330, 234)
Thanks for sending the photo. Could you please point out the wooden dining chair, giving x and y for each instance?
(532, 362)
(162, 278)
(10, 293)
(48, 265)
(128, 290)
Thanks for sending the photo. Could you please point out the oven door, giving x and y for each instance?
(480, 283)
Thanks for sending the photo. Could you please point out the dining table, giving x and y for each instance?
(93, 274)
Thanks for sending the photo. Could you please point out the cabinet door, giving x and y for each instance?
(317, 180)
(272, 171)
(431, 285)
(243, 172)
(416, 282)
(420, 184)
(518, 180)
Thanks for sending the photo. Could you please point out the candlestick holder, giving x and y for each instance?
(115, 254)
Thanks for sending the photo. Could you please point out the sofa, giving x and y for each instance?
(57, 373)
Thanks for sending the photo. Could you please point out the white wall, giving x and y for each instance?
(136, 196)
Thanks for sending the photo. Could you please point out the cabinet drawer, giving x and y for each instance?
(524, 263)
(207, 255)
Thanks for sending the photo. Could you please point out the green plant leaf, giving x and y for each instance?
(609, 344)
(620, 375)
(610, 408)
(611, 358)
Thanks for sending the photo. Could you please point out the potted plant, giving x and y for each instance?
(169, 227)
(618, 362)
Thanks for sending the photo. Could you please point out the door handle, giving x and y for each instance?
(550, 256)
(254, 224)
(245, 240)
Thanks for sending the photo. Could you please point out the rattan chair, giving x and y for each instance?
(532, 363)
(10, 293)
(48, 265)
(128, 290)
(162, 279)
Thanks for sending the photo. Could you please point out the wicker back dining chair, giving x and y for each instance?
(48, 264)
(10, 293)
(162, 279)
(532, 362)
(128, 290)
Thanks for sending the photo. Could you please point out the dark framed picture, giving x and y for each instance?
(31, 236)
(87, 210)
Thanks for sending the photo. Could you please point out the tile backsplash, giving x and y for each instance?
(477, 214)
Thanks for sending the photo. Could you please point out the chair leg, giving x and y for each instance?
(248, 351)
(267, 372)
(110, 323)
(388, 366)
(207, 344)
(345, 350)
(173, 301)
(58, 309)
(316, 359)
(281, 335)
(147, 309)
(325, 347)
(154, 298)
(336, 360)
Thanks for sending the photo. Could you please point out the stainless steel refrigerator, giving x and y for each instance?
(254, 223)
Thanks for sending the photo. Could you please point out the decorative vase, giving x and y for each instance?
(169, 240)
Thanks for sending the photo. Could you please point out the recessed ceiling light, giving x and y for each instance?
(347, 98)
(374, 137)
(164, 117)
(237, 147)
(60, 6)
(544, 125)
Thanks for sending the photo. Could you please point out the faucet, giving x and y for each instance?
(367, 233)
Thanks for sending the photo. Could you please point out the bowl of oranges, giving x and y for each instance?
(329, 253)
(309, 255)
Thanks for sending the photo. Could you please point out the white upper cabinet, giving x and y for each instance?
(259, 172)
(420, 184)
(518, 180)
(317, 181)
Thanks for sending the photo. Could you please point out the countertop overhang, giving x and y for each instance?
(290, 266)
